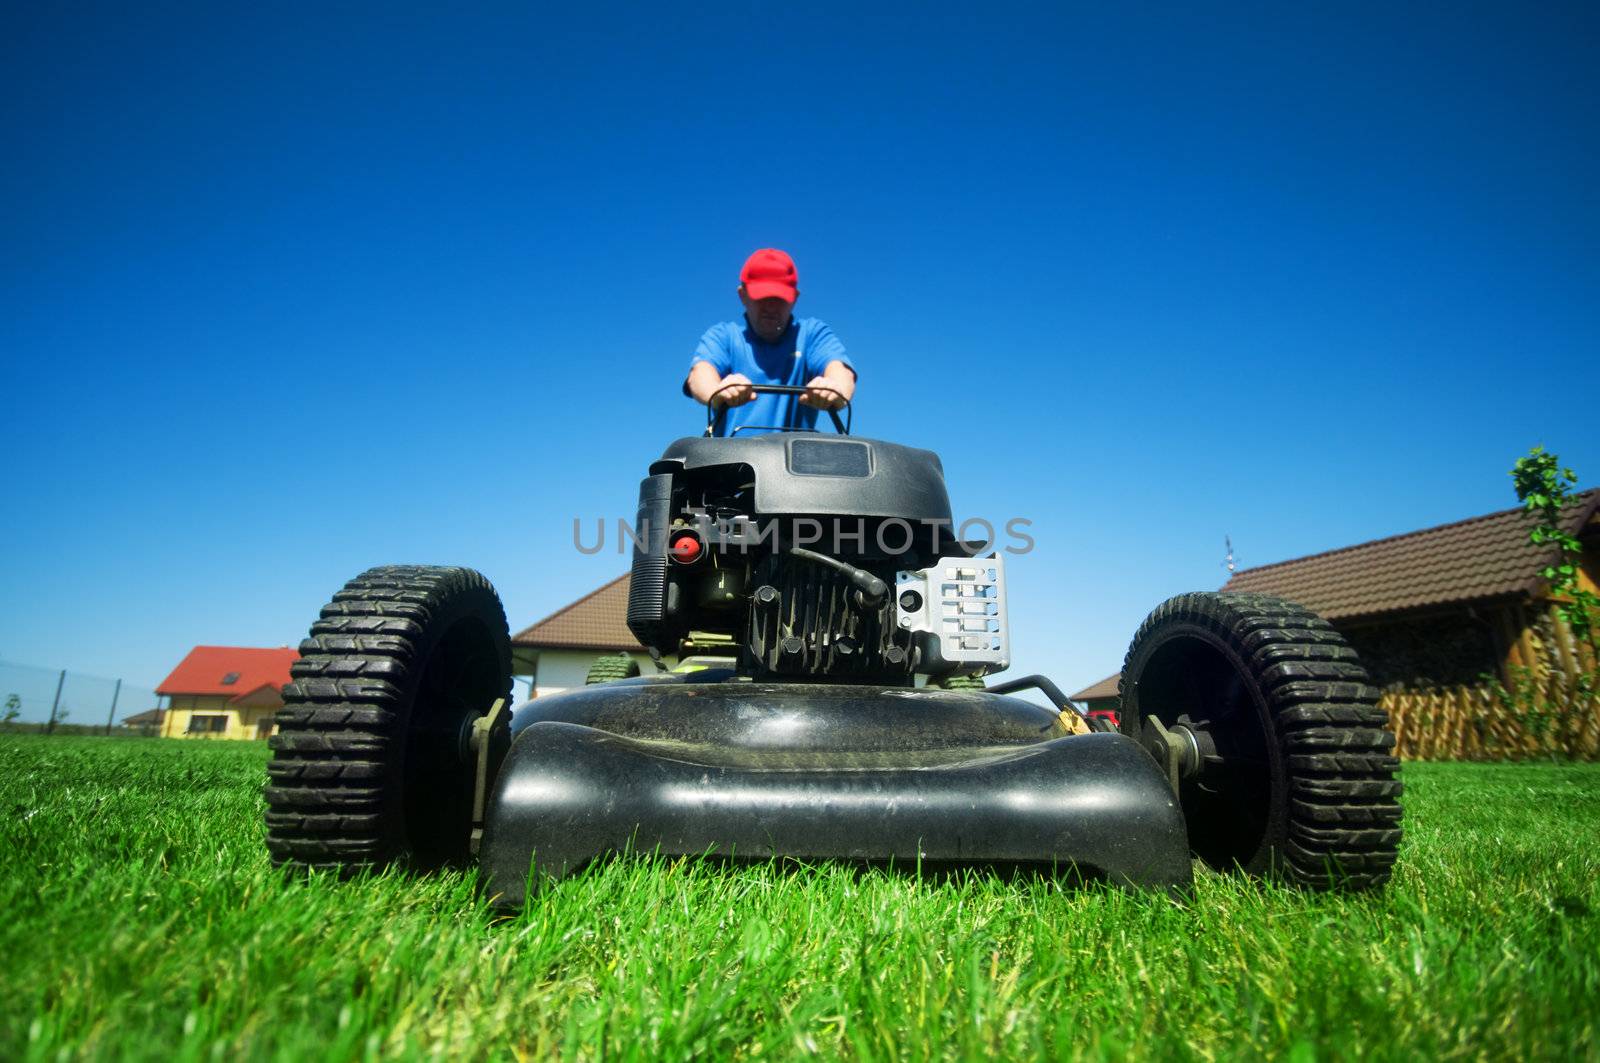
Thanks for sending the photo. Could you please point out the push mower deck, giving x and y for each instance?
(751, 771)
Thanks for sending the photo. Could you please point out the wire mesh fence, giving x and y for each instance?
(62, 701)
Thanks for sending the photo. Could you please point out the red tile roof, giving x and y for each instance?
(1470, 560)
(597, 621)
(206, 668)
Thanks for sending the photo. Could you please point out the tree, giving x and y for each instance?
(1544, 488)
(13, 708)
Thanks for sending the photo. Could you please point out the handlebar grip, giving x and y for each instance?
(715, 415)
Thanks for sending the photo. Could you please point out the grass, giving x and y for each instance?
(141, 920)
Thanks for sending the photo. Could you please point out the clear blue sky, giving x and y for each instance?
(290, 290)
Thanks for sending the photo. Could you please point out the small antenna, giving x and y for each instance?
(1228, 562)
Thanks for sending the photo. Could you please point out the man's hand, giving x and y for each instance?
(832, 389)
(706, 385)
(735, 389)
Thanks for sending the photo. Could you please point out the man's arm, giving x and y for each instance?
(830, 391)
(705, 382)
(711, 360)
(835, 383)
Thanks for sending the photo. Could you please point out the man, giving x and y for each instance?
(770, 346)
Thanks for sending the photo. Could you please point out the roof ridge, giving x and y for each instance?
(573, 604)
(260, 649)
(1582, 498)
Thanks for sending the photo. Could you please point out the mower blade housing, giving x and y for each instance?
(752, 772)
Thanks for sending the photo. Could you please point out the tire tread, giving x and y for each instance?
(331, 776)
(1343, 812)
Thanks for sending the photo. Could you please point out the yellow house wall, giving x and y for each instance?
(243, 721)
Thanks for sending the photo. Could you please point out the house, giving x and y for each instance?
(1449, 619)
(1099, 697)
(148, 722)
(225, 692)
(557, 652)
(1443, 606)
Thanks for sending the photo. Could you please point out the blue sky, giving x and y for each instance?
(292, 290)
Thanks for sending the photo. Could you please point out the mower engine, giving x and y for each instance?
(820, 558)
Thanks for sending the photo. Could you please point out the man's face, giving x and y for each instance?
(767, 317)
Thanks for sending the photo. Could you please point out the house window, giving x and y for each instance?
(230, 679)
(207, 724)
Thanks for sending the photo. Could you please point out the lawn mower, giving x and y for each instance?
(845, 713)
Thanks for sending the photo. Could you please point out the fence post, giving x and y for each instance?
(1566, 647)
(112, 715)
(1476, 725)
(50, 728)
(1455, 734)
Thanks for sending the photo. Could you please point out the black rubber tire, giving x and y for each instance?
(612, 666)
(372, 764)
(1309, 794)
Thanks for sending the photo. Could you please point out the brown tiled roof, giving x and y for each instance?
(1106, 688)
(597, 621)
(1471, 560)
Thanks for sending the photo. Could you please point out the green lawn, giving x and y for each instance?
(141, 919)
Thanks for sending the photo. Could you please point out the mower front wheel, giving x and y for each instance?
(613, 666)
(1268, 725)
(374, 760)
(962, 682)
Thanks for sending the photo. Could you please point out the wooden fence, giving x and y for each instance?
(1553, 717)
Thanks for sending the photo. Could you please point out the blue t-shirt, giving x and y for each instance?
(800, 354)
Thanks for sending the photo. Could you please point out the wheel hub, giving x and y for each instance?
(1185, 751)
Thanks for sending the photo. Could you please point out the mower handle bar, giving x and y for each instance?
(716, 413)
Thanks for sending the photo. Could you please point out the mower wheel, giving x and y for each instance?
(612, 666)
(1270, 726)
(373, 762)
(962, 682)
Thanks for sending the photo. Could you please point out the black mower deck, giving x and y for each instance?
(709, 764)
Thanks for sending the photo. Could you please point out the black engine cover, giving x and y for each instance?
(826, 476)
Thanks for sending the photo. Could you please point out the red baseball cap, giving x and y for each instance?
(769, 272)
